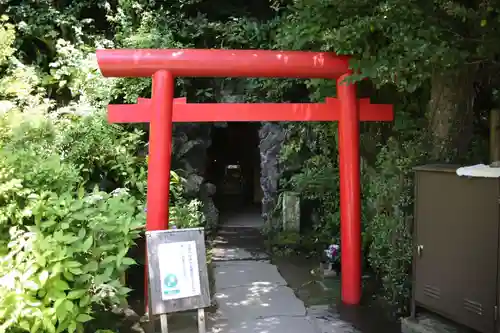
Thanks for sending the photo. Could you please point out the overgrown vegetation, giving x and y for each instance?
(72, 186)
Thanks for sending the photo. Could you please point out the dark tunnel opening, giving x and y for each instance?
(233, 166)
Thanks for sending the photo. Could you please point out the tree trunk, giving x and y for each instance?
(451, 114)
(494, 135)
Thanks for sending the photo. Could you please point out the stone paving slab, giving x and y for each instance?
(246, 273)
(252, 302)
(265, 325)
(235, 253)
(326, 320)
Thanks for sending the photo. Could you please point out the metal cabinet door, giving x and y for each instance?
(457, 247)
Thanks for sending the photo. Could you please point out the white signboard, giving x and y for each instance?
(179, 271)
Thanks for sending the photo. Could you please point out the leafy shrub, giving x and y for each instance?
(68, 243)
(183, 213)
(70, 260)
(72, 186)
(390, 194)
(310, 159)
(186, 214)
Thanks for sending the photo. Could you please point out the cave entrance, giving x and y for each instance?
(233, 166)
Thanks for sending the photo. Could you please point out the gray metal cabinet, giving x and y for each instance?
(456, 246)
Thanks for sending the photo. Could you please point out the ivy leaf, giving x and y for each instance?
(81, 192)
(69, 305)
(40, 260)
(68, 276)
(108, 259)
(24, 324)
(61, 310)
(76, 271)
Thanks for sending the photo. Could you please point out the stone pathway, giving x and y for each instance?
(251, 295)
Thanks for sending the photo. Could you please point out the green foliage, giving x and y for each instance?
(396, 42)
(72, 186)
(68, 261)
(7, 38)
(68, 243)
(310, 156)
(389, 191)
(183, 213)
(287, 243)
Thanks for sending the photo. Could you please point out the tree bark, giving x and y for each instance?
(494, 135)
(451, 114)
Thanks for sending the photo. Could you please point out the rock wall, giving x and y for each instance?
(189, 154)
(271, 137)
(190, 143)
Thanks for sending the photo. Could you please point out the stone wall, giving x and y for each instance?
(291, 211)
(189, 154)
(271, 137)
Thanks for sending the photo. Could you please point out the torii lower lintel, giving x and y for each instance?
(233, 112)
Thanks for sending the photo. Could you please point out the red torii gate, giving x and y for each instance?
(162, 109)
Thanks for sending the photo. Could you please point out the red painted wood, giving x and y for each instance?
(250, 63)
(213, 112)
(178, 100)
(350, 195)
(222, 63)
(160, 109)
(159, 157)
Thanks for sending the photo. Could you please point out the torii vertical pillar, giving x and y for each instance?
(160, 150)
(350, 194)
(159, 158)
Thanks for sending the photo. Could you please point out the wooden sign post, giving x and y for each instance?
(178, 276)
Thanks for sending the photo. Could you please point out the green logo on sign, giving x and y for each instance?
(170, 283)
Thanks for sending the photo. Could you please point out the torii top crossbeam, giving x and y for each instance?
(222, 63)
